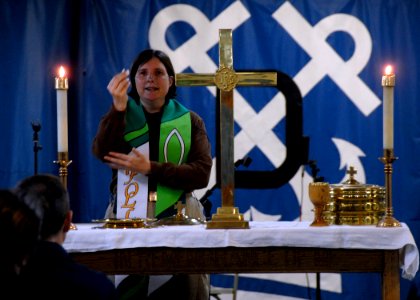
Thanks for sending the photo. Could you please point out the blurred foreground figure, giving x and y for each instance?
(51, 273)
(18, 235)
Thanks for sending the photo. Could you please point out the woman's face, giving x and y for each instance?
(152, 84)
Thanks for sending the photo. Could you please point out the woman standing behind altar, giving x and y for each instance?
(135, 135)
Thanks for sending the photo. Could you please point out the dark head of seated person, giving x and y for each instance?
(19, 229)
(51, 268)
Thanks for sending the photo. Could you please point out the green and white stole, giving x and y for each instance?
(174, 146)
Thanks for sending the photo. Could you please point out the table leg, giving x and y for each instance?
(391, 276)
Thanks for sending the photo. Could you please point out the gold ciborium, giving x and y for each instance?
(319, 194)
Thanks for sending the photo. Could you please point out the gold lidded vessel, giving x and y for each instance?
(354, 203)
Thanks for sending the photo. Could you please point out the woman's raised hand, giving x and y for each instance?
(118, 87)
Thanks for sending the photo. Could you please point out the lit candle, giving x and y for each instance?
(388, 83)
(61, 85)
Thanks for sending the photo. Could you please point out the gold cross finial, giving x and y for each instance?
(351, 171)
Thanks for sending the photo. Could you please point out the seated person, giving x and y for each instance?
(18, 235)
(51, 273)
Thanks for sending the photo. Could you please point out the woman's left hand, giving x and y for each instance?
(134, 161)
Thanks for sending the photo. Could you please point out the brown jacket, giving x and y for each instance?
(194, 174)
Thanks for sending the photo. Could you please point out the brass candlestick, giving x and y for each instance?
(388, 220)
(63, 161)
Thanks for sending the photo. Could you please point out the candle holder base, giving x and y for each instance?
(122, 223)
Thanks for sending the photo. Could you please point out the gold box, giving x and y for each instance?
(353, 203)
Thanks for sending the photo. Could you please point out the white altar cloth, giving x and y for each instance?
(261, 234)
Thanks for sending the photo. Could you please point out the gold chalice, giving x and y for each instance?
(319, 193)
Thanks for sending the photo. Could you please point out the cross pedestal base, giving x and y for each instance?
(227, 217)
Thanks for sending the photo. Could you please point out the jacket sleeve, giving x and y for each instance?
(110, 135)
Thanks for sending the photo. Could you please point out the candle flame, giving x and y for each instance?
(388, 70)
(61, 72)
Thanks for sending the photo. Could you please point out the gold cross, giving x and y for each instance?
(226, 79)
(351, 171)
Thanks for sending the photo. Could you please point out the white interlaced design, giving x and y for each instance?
(257, 127)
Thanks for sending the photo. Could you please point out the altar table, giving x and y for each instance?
(267, 247)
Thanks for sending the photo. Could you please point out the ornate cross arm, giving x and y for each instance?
(244, 79)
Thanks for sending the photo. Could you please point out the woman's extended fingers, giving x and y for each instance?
(118, 155)
(142, 161)
(119, 160)
(118, 87)
(137, 153)
(119, 81)
(135, 161)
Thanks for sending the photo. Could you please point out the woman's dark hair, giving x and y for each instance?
(143, 58)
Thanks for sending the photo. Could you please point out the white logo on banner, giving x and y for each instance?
(325, 61)
(256, 128)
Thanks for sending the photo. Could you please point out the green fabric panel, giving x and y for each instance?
(136, 129)
(174, 142)
(174, 146)
(173, 110)
(166, 197)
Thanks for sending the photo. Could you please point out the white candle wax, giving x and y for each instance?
(388, 117)
(388, 83)
(62, 129)
(61, 85)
